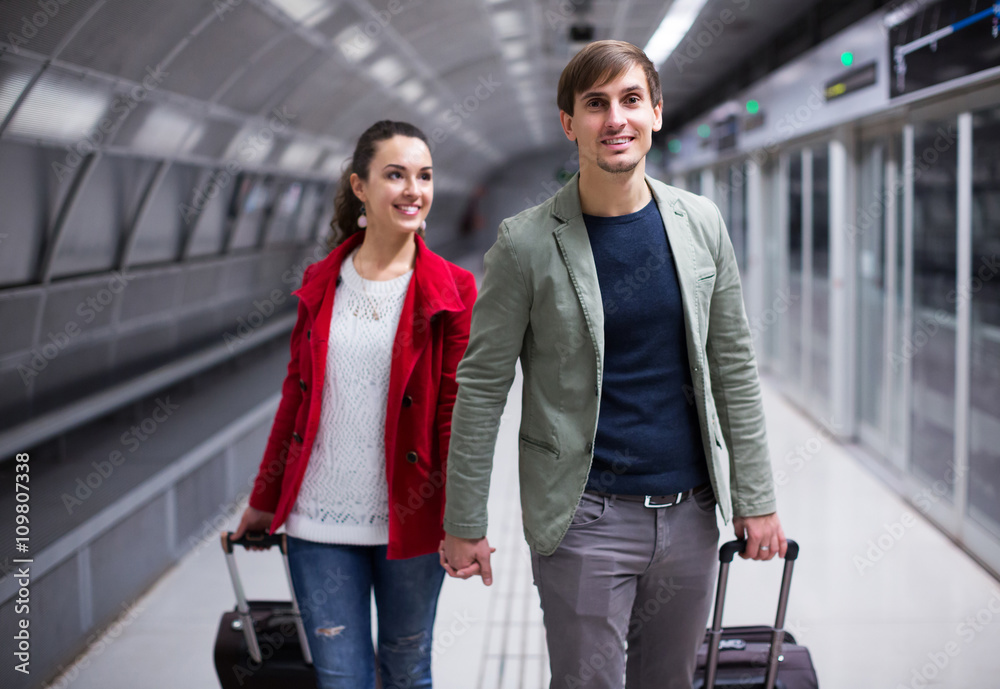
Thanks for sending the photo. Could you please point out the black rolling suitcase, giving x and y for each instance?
(262, 644)
(753, 657)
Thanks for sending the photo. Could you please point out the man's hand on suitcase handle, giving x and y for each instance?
(253, 520)
(764, 536)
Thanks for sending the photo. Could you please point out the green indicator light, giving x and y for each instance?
(674, 146)
(752, 107)
(847, 59)
(704, 131)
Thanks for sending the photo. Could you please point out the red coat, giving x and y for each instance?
(430, 340)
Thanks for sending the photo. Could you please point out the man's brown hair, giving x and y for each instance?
(600, 62)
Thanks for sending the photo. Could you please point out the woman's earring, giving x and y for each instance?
(362, 219)
(423, 224)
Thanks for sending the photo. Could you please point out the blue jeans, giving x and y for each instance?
(333, 584)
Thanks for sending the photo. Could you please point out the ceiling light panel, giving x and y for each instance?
(165, 130)
(61, 106)
(300, 155)
(674, 27)
(514, 50)
(428, 105)
(387, 71)
(519, 68)
(307, 12)
(411, 91)
(509, 24)
(354, 44)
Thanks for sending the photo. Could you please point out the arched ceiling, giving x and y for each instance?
(204, 79)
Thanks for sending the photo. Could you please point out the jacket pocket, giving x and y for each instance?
(706, 277)
(539, 446)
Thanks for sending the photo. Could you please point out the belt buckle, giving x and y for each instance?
(657, 505)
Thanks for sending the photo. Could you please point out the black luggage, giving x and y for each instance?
(757, 656)
(262, 644)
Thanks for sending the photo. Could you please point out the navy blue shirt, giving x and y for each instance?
(648, 437)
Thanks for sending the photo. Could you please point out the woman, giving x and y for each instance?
(354, 466)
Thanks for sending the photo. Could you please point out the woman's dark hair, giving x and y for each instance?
(347, 206)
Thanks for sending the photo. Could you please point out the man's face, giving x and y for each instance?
(613, 124)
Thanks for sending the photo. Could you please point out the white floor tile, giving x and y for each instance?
(907, 620)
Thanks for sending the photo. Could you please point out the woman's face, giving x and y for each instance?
(399, 189)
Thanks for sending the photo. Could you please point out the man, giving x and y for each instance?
(620, 295)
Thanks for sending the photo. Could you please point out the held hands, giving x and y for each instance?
(763, 534)
(253, 520)
(466, 557)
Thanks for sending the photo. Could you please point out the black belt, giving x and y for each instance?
(654, 501)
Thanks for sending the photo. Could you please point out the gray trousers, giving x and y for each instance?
(627, 576)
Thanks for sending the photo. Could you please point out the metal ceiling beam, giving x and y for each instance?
(55, 237)
(132, 232)
(45, 65)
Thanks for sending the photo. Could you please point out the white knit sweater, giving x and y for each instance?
(344, 497)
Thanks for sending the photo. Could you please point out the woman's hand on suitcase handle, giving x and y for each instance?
(765, 531)
(253, 520)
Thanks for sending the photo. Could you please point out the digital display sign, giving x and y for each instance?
(943, 41)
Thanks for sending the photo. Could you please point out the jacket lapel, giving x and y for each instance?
(432, 290)
(317, 294)
(676, 223)
(574, 247)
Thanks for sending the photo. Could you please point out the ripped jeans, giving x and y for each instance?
(333, 584)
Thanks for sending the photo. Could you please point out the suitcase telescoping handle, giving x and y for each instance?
(261, 539)
(726, 553)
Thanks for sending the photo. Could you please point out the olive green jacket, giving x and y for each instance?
(540, 301)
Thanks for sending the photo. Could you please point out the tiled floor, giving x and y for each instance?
(922, 615)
